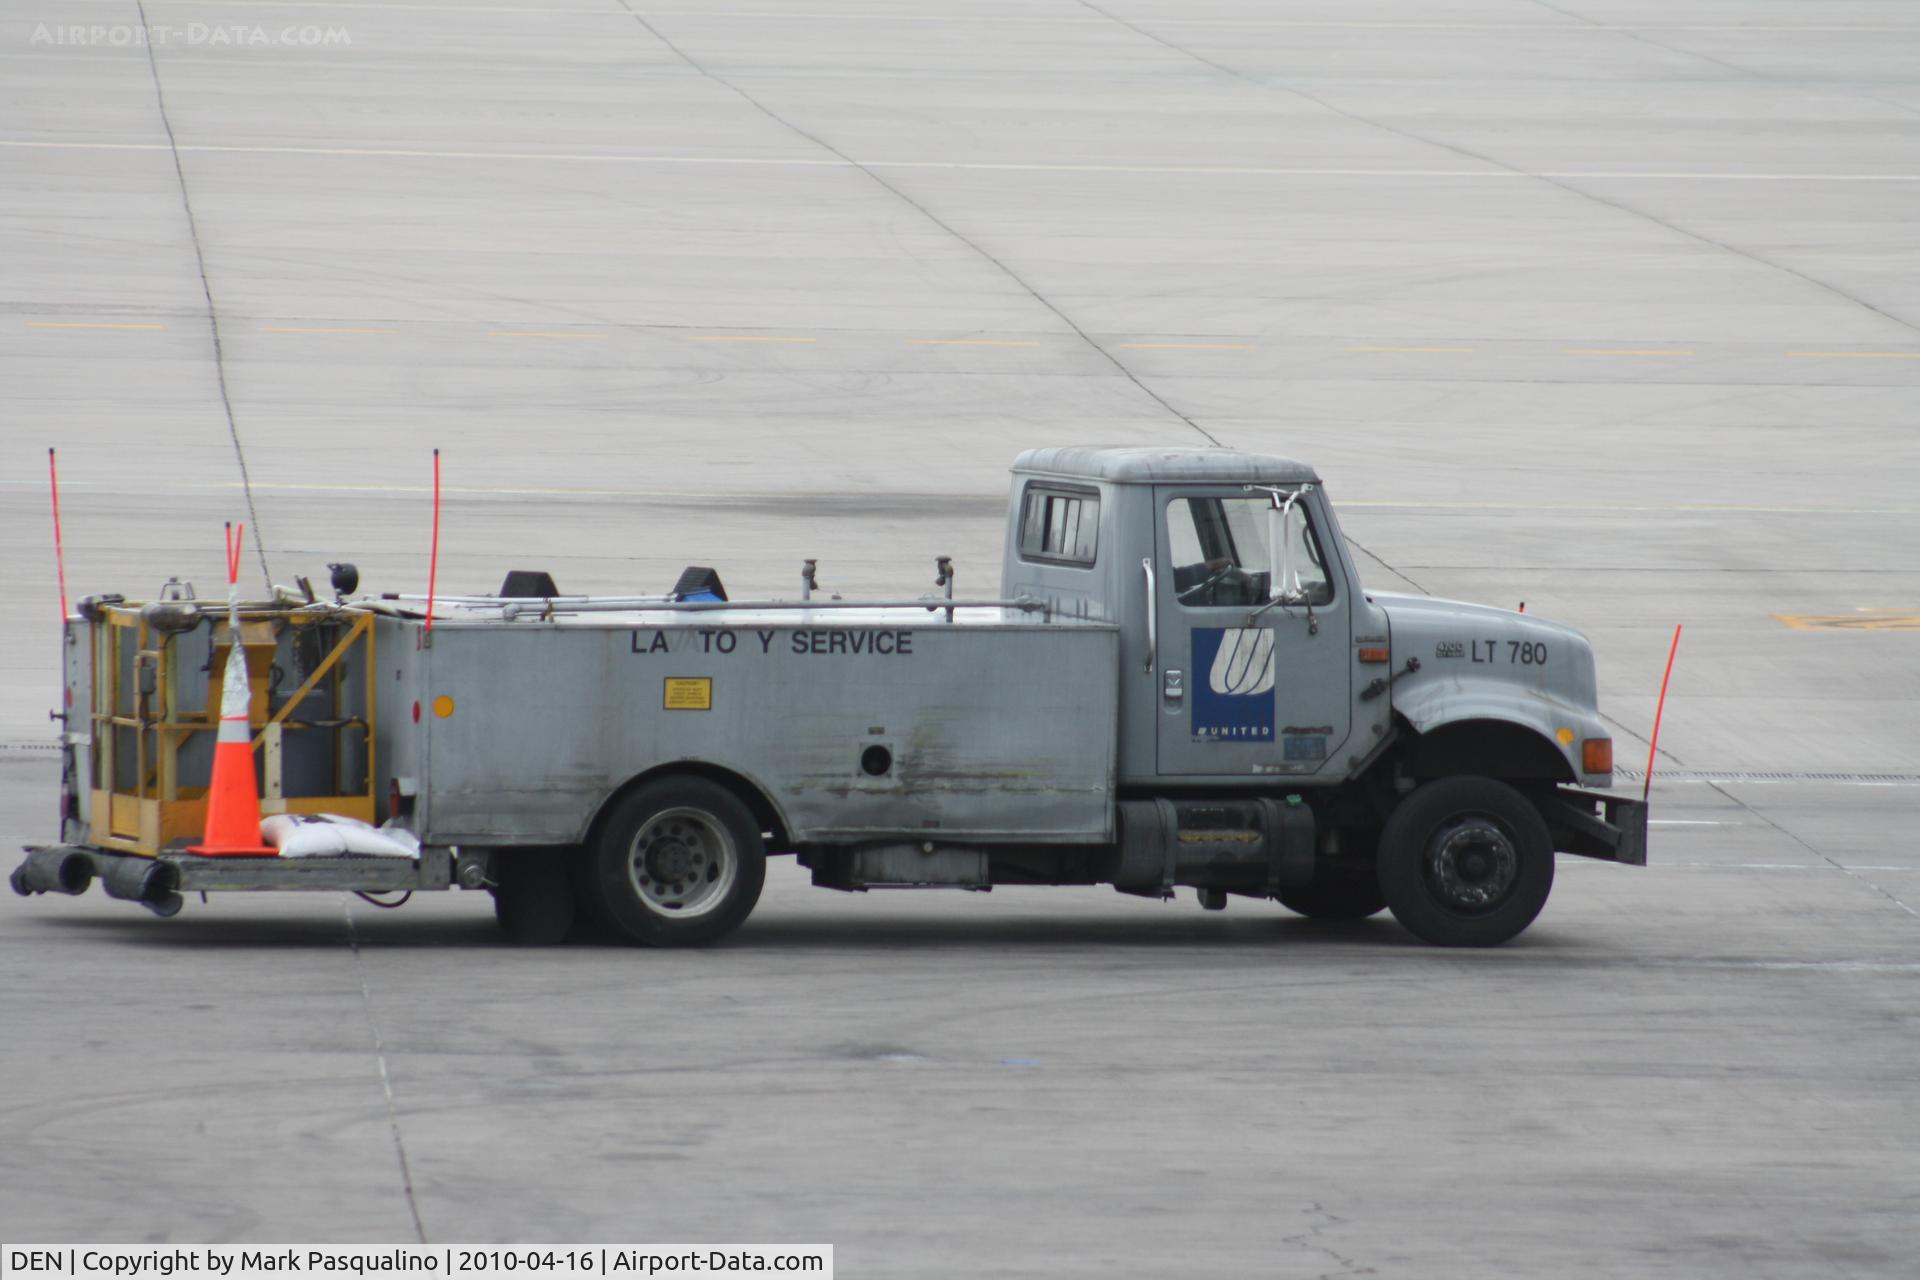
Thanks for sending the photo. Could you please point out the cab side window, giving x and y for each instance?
(1219, 552)
(1060, 525)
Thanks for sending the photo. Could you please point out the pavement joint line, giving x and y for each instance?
(537, 333)
(1851, 873)
(386, 1076)
(924, 208)
(746, 337)
(1506, 175)
(214, 334)
(87, 324)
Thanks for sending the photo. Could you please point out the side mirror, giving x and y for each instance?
(1283, 585)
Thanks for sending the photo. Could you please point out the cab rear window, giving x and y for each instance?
(1060, 525)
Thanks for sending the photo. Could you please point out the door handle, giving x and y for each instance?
(1153, 624)
(1175, 686)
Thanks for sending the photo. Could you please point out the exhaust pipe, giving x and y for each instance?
(65, 871)
(151, 884)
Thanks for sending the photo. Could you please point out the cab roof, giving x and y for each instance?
(1165, 466)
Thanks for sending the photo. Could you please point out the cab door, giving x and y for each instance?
(1246, 688)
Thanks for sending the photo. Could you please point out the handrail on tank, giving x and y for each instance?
(932, 604)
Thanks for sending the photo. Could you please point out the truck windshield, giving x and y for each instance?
(1219, 552)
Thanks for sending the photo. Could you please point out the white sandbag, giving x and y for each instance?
(328, 835)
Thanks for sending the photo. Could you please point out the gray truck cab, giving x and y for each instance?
(1255, 662)
(1220, 684)
(1233, 675)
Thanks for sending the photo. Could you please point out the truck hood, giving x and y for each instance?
(1480, 662)
(1424, 610)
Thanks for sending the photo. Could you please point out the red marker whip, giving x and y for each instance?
(59, 550)
(433, 556)
(235, 535)
(1660, 710)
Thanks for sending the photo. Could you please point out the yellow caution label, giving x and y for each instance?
(688, 693)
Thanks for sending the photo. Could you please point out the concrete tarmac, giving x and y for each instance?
(1608, 306)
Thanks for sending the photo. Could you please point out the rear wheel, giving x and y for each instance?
(1466, 862)
(678, 863)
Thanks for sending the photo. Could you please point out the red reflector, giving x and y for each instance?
(416, 713)
(1375, 654)
(1596, 755)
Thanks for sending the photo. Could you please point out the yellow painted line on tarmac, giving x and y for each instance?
(1865, 620)
(541, 333)
(1624, 351)
(749, 337)
(1416, 350)
(1185, 346)
(87, 324)
(1855, 355)
(287, 328)
(967, 342)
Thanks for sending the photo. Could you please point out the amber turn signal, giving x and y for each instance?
(1596, 755)
(1374, 654)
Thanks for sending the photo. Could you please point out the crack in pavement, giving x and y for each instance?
(924, 212)
(386, 1077)
(1564, 184)
(206, 289)
(1310, 1240)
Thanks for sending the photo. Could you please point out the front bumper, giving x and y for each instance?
(1598, 824)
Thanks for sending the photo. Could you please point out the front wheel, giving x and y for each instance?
(1466, 862)
(678, 863)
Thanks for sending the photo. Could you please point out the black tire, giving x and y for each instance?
(1466, 862)
(532, 897)
(591, 923)
(1336, 894)
(678, 863)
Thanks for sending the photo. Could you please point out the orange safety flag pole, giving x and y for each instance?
(1653, 746)
(59, 550)
(433, 555)
(233, 799)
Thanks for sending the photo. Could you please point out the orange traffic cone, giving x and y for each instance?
(233, 801)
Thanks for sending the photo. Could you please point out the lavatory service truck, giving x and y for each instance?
(1182, 682)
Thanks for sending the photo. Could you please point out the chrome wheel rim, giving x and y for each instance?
(683, 863)
(1471, 863)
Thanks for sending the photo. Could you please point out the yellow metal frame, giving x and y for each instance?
(159, 812)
